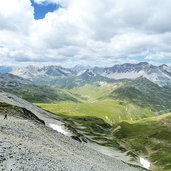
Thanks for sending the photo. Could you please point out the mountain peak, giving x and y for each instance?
(164, 65)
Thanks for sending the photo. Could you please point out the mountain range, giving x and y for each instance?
(160, 75)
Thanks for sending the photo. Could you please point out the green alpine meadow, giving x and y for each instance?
(85, 85)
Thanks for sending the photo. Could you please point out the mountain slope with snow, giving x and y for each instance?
(157, 74)
(31, 71)
(160, 75)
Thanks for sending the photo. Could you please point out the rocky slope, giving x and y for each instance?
(27, 144)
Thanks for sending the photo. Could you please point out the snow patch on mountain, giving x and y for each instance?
(128, 75)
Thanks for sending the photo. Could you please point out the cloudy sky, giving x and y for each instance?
(94, 32)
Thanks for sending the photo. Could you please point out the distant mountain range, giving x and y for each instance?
(160, 75)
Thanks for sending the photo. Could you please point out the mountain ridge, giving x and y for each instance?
(160, 75)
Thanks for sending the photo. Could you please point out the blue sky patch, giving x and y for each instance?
(40, 10)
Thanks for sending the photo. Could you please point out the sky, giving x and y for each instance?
(41, 9)
(86, 32)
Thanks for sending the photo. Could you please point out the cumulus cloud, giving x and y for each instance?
(94, 32)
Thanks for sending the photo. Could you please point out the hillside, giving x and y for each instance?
(148, 137)
(109, 110)
(123, 105)
(27, 90)
(144, 93)
(115, 102)
(27, 144)
(41, 94)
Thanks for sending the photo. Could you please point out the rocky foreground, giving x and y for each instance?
(26, 144)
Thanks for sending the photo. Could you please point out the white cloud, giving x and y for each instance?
(48, 1)
(159, 55)
(96, 32)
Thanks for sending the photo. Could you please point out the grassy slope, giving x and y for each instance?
(98, 100)
(41, 94)
(149, 137)
(144, 93)
(109, 110)
(94, 91)
(121, 104)
(140, 92)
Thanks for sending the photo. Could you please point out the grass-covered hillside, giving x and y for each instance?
(144, 93)
(41, 94)
(132, 113)
(140, 92)
(27, 90)
(148, 137)
(109, 110)
(115, 102)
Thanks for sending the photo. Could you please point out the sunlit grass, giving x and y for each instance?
(109, 110)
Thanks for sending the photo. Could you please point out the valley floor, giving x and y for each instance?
(29, 145)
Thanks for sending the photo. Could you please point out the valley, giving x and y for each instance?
(104, 106)
(109, 110)
(125, 124)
